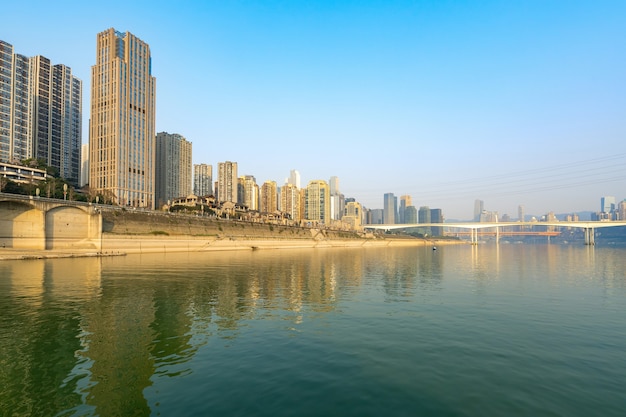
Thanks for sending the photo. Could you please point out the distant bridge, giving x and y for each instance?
(588, 227)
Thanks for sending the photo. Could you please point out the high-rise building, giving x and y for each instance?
(84, 165)
(15, 106)
(40, 113)
(65, 124)
(122, 125)
(405, 201)
(294, 178)
(377, 216)
(607, 204)
(227, 181)
(290, 201)
(520, 213)
(423, 216)
(621, 210)
(410, 215)
(479, 206)
(269, 197)
(248, 192)
(390, 208)
(337, 200)
(203, 180)
(436, 216)
(317, 201)
(172, 167)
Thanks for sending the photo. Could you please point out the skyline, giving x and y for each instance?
(448, 103)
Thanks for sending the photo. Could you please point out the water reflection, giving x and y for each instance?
(40, 304)
(93, 336)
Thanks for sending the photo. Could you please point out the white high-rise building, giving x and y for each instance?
(337, 200)
(294, 178)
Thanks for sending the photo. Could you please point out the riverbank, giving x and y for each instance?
(120, 245)
(128, 232)
(25, 254)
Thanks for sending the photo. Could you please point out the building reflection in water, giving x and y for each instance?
(41, 303)
(93, 335)
(103, 336)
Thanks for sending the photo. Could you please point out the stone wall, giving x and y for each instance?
(128, 222)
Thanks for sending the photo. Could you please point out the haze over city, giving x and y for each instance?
(510, 103)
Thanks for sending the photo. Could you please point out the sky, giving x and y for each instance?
(511, 102)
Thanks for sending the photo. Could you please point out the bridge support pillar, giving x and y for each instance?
(590, 236)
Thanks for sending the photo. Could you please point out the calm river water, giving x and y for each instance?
(509, 330)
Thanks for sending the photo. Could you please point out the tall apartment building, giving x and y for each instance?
(436, 216)
(479, 207)
(390, 208)
(520, 213)
(377, 216)
(405, 201)
(248, 192)
(290, 201)
(40, 112)
(15, 105)
(203, 180)
(337, 200)
(317, 202)
(172, 167)
(269, 197)
(621, 210)
(122, 125)
(84, 164)
(294, 178)
(227, 181)
(410, 215)
(423, 216)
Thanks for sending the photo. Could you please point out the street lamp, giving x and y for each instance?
(64, 191)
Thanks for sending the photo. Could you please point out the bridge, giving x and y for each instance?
(33, 222)
(588, 227)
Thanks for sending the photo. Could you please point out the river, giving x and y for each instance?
(508, 330)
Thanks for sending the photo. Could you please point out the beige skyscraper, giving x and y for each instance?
(248, 192)
(122, 129)
(290, 201)
(227, 181)
(269, 197)
(317, 201)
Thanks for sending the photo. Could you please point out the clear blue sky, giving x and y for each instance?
(511, 102)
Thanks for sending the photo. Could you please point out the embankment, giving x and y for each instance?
(149, 232)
